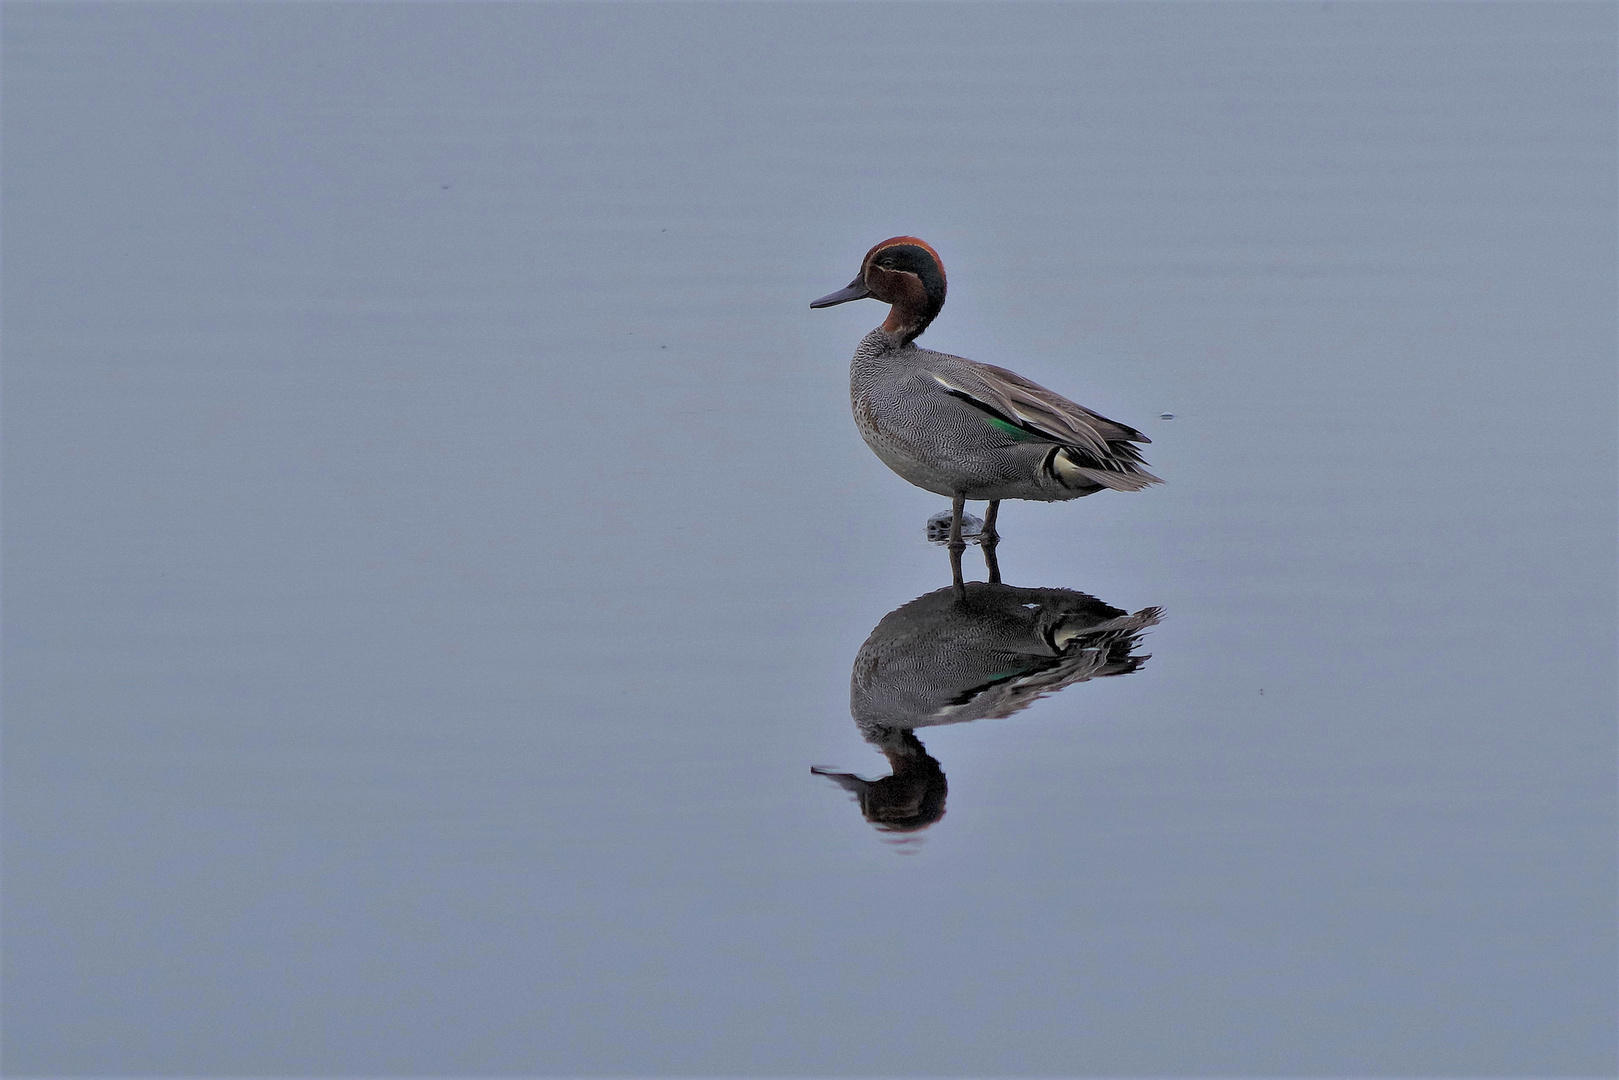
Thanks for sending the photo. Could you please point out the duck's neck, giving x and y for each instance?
(907, 324)
(914, 307)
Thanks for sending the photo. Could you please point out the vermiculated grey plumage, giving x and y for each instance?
(954, 426)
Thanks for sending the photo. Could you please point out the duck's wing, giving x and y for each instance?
(1094, 449)
(1037, 411)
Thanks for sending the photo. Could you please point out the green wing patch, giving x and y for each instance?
(1020, 434)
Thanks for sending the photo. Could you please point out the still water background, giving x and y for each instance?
(436, 541)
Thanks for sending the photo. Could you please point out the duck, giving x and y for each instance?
(965, 429)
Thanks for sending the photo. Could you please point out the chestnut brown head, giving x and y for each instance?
(902, 271)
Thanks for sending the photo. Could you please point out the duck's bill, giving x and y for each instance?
(855, 290)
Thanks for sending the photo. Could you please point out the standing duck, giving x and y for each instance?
(964, 429)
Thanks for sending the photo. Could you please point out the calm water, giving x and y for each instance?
(437, 547)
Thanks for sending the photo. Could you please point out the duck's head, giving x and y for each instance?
(902, 271)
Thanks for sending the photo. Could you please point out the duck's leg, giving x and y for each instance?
(957, 545)
(988, 538)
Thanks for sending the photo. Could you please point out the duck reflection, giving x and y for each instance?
(951, 656)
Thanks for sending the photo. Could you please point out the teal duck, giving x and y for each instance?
(965, 429)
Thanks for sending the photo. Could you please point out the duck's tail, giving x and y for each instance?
(1121, 471)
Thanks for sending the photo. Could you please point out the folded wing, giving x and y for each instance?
(1089, 449)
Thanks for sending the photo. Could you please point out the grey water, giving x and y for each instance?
(437, 548)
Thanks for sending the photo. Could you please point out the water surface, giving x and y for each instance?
(437, 546)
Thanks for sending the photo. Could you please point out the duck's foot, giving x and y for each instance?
(938, 528)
